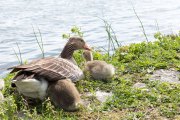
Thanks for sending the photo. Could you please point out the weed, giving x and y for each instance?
(20, 56)
(75, 31)
(142, 26)
(40, 43)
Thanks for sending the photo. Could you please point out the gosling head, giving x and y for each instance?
(88, 55)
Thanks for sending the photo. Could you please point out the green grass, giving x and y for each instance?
(159, 100)
(19, 58)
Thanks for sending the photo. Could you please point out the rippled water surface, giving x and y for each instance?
(55, 17)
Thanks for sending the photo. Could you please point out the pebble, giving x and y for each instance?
(139, 85)
(163, 75)
(102, 96)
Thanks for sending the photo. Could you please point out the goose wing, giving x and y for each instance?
(52, 69)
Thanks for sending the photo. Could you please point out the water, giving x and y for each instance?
(55, 17)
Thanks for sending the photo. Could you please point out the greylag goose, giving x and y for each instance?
(64, 94)
(98, 69)
(32, 79)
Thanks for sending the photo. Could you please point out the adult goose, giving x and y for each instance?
(98, 69)
(32, 79)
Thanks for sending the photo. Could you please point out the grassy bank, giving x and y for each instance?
(134, 63)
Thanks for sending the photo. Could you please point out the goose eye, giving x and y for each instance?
(81, 40)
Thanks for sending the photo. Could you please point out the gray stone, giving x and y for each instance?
(1, 96)
(163, 75)
(1, 84)
(139, 85)
(102, 96)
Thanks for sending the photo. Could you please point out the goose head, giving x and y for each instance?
(74, 43)
(78, 43)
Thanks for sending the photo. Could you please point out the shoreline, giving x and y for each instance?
(135, 63)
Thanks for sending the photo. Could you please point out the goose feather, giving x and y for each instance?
(52, 69)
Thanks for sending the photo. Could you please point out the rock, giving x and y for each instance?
(102, 96)
(1, 96)
(1, 84)
(163, 75)
(139, 85)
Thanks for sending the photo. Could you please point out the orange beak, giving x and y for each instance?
(86, 47)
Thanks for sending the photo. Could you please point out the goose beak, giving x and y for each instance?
(86, 47)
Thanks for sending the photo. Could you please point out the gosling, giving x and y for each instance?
(98, 69)
(64, 94)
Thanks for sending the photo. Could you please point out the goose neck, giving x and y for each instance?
(68, 51)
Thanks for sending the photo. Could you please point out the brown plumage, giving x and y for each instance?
(51, 69)
(64, 94)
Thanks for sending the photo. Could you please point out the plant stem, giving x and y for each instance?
(20, 57)
(41, 47)
(17, 56)
(140, 23)
(157, 26)
(19, 53)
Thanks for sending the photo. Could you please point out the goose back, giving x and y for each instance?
(51, 69)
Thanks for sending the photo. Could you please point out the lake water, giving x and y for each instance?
(55, 17)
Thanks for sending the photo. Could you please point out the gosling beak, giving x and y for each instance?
(86, 47)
